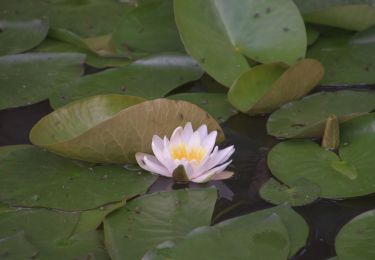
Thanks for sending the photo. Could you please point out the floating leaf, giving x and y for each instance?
(16, 247)
(149, 28)
(348, 175)
(348, 59)
(302, 192)
(116, 129)
(229, 33)
(217, 105)
(265, 88)
(150, 77)
(50, 233)
(356, 239)
(28, 78)
(149, 220)
(306, 118)
(80, 17)
(47, 180)
(312, 35)
(20, 36)
(264, 239)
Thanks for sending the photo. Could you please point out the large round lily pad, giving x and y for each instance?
(16, 247)
(264, 239)
(28, 78)
(112, 128)
(20, 36)
(348, 59)
(217, 105)
(149, 28)
(32, 177)
(349, 174)
(265, 88)
(301, 193)
(220, 34)
(306, 118)
(357, 238)
(150, 77)
(50, 232)
(147, 221)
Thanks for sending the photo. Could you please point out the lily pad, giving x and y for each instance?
(348, 59)
(217, 105)
(50, 233)
(349, 174)
(81, 17)
(356, 239)
(16, 247)
(301, 193)
(149, 220)
(264, 239)
(307, 117)
(149, 28)
(312, 35)
(64, 184)
(29, 78)
(50, 45)
(20, 36)
(220, 35)
(117, 128)
(265, 88)
(150, 77)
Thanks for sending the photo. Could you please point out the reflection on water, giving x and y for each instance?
(238, 195)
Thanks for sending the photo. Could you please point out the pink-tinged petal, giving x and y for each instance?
(187, 132)
(209, 142)
(161, 154)
(195, 140)
(176, 136)
(203, 132)
(188, 168)
(151, 164)
(209, 175)
(222, 175)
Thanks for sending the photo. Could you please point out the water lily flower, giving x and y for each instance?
(188, 156)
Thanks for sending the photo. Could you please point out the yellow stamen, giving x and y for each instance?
(181, 152)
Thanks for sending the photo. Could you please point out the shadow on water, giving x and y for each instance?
(238, 195)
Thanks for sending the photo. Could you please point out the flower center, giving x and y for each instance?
(181, 151)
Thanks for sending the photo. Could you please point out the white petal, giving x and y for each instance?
(151, 164)
(187, 132)
(202, 166)
(209, 142)
(216, 159)
(163, 156)
(202, 130)
(209, 175)
(195, 140)
(222, 175)
(188, 168)
(176, 136)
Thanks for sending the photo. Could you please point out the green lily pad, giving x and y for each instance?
(312, 35)
(265, 88)
(264, 239)
(50, 45)
(80, 17)
(149, 28)
(357, 127)
(29, 78)
(307, 117)
(116, 129)
(150, 220)
(50, 233)
(220, 35)
(217, 105)
(313, 5)
(356, 239)
(301, 193)
(348, 175)
(348, 59)
(64, 184)
(20, 36)
(150, 77)
(16, 247)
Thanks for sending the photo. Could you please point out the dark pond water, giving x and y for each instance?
(239, 194)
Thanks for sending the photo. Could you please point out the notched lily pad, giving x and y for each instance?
(307, 117)
(112, 128)
(302, 192)
(20, 36)
(265, 88)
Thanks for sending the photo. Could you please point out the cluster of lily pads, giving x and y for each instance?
(69, 196)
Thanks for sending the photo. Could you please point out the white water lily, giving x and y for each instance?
(189, 154)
